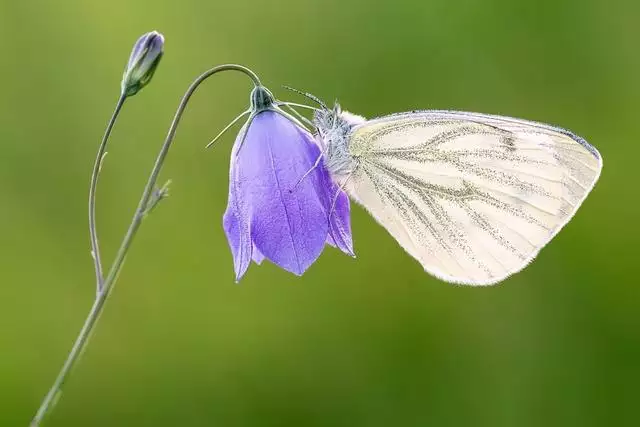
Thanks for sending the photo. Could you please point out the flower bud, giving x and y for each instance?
(144, 60)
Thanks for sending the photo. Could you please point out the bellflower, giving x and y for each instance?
(273, 212)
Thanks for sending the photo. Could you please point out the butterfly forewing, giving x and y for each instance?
(472, 197)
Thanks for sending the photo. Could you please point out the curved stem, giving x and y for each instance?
(111, 278)
(93, 233)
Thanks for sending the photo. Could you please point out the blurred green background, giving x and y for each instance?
(368, 342)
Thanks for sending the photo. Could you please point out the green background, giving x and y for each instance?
(368, 342)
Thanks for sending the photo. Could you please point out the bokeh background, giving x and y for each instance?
(366, 342)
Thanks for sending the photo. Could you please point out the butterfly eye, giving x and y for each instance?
(330, 120)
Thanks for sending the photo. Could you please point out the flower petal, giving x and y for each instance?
(287, 220)
(257, 255)
(340, 225)
(337, 206)
(236, 227)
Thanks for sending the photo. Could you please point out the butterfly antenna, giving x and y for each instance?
(307, 95)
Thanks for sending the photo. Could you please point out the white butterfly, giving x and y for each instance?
(472, 197)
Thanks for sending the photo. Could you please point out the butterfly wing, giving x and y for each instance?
(472, 197)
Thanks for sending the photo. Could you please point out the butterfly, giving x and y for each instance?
(473, 197)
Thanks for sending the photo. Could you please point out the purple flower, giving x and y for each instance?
(271, 213)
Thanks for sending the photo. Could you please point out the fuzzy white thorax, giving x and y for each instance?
(334, 132)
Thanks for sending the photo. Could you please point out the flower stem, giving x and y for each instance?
(102, 150)
(138, 216)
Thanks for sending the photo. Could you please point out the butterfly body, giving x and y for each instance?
(472, 197)
(334, 131)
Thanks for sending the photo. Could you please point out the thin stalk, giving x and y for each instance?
(93, 233)
(111, 278)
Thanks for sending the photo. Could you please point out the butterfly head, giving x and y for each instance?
(334, 128)
(327, 119)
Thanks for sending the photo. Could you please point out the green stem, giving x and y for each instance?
(93, 233)
(111, 278)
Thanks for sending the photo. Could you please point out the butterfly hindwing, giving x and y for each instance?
(472, 197)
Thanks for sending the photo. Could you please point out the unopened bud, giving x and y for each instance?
(144, 60)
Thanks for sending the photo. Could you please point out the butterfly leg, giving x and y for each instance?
(306, 174)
